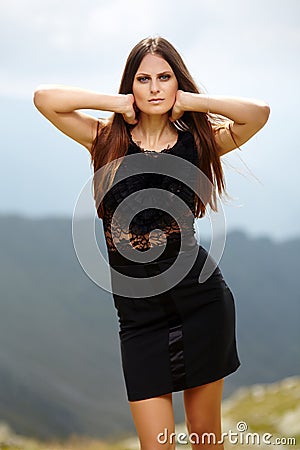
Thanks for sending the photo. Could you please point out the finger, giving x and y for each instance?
(130, 119)
(174, 116)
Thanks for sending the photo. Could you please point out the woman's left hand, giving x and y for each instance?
(177, 110)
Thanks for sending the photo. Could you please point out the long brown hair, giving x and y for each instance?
(112, 140)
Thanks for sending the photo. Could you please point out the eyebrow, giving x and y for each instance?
(148, 74)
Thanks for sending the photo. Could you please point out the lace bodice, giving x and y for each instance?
(151, 226)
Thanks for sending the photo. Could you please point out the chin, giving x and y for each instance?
(157, 110)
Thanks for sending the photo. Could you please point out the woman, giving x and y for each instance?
(184, 337)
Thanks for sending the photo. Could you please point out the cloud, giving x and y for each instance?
(58, 40)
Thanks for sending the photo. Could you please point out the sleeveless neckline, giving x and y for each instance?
(164, 150)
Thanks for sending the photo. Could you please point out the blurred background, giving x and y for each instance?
(60, 369)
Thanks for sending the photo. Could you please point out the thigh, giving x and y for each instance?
(153, 418)
(205, 398)
(203, 408)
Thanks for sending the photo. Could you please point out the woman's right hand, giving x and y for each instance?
(129, 113)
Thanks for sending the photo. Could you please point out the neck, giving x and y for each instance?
(154, 131)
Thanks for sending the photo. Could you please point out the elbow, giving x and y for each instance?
(263, 114)
(39, 98)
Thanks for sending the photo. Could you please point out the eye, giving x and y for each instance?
(165, 77)
(143, 79)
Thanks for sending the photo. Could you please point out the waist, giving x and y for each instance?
(171, 250)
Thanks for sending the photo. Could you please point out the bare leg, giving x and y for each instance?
(203, 414)
(153, 417)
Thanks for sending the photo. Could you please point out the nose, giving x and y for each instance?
(154, 87)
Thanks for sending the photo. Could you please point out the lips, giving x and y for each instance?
(156, 100)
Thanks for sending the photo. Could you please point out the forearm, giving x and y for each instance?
(64, 99)
(239, 109)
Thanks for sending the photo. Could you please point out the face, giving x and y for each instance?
(154, 86)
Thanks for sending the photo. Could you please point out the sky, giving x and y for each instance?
(238, 48)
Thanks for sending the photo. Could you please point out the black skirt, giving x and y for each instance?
(179, 339)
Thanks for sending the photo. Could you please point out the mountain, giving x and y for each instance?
(60, 368)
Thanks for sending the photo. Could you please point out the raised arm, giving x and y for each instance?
(60, 105)
(245, 116)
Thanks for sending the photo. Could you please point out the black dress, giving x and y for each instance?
(183, 336)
